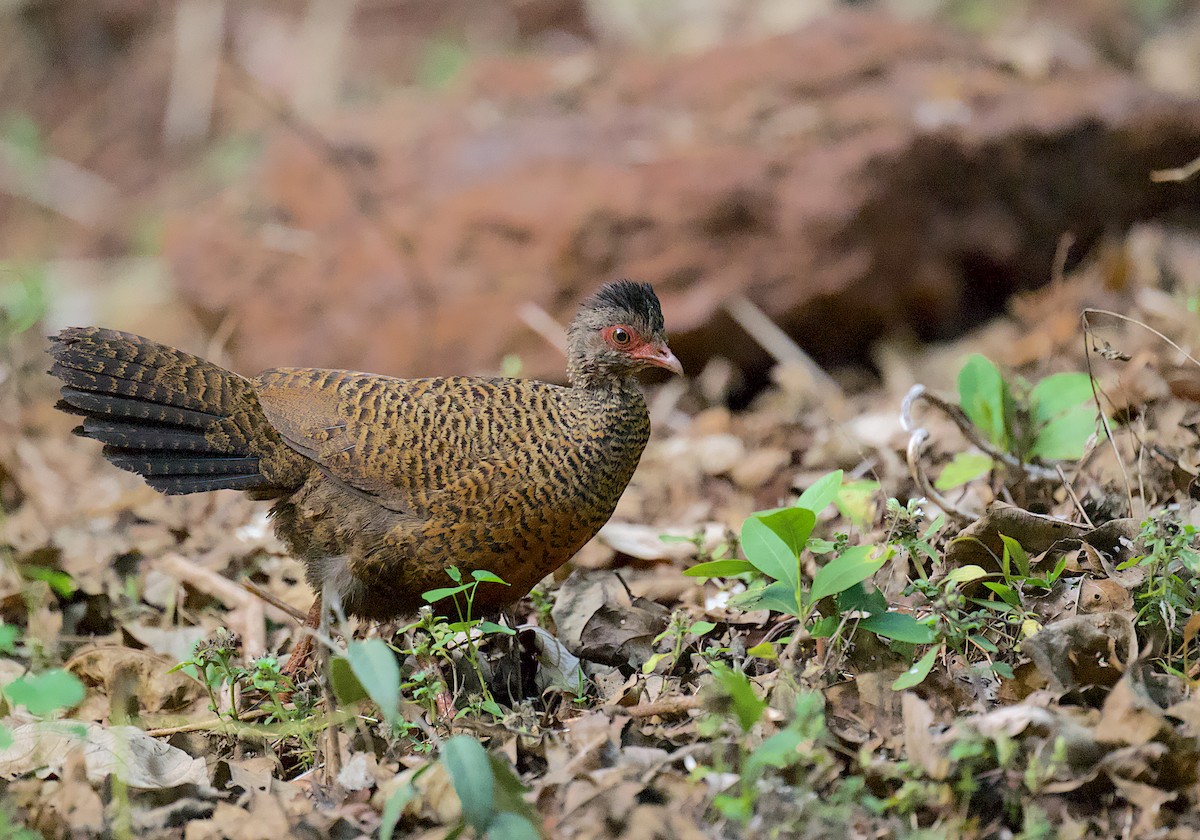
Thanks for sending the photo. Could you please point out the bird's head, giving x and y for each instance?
(617, 332)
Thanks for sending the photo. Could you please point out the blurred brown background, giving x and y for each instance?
(429, 186)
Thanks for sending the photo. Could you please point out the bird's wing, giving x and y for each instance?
(400, 442)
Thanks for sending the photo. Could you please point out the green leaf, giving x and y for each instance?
(493, 627)
(792, 525)
(467, 763)
(780, 750)
(1065, 437)
(982, 395)
(700, 628)
(435, 595)
(825, 628)
(963, 467)
(484, 576)
(852, 566)
(1014, 553)
(821, 493)
(375, 666)
(918, 672)
(763, 650)
(346, 686)
(899, 626)
(47, 692)
(747, 706)
(393, 809)
(778, 596)
(9, 633)
(720, 568)
(857, 599)
(510, 826)
(1057, 394)
(59, 581)
(509, 792)
(856, 501)
(966, 574)
(1006, 593)
(769, 553)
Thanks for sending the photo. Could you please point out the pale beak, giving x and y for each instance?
(658, 355)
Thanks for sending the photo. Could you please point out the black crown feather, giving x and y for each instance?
(630, 296)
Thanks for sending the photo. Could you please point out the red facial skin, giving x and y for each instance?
(655, 353)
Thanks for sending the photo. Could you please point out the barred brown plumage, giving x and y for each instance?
(381, 483)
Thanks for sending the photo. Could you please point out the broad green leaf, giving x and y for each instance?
(393, 809)
(700, 628)
(346, 686)
(509, 792)
(467, 763)
(9, 633)
(983, 643)
(1058, 393)
(918, 672)
(1006, 593)
(47, 692)
(763, 650)
(777, 596)
(769, 553)
(780, 750)
(982, 395)
(435, 595)
(720, 568)
(484, 576)
(857, 599)
(792, 525)
(825, 628)
(964, 467)
(822, 493)
(1065, 437)
(650, 664)
(747, 706)
(852, 566)
(374, 665)
(966, 574)
(493, 627)
(58, 580)
(899, 626)
(856, 501)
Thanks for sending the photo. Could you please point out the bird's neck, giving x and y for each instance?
(604, 386)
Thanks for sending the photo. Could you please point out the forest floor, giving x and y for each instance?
(971, 613)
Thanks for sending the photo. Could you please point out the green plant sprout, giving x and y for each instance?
(1049, 421)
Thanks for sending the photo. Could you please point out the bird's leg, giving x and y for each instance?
(332, 601)
(301, 654)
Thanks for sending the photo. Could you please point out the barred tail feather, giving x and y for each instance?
(186, 425)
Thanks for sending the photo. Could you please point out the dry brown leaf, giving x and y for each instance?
(1084, 651)
(124, 672)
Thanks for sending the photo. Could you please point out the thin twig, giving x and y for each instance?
(543, 323)
(919, 392)
(778, 344)
(669, 706)
(203, 725)
(278, 603)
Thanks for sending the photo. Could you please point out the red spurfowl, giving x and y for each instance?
(380, 483)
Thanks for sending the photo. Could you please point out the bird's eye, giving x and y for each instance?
(620, 336)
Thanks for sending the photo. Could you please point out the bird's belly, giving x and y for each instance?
(383, 562)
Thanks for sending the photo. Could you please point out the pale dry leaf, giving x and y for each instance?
(125, 751)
